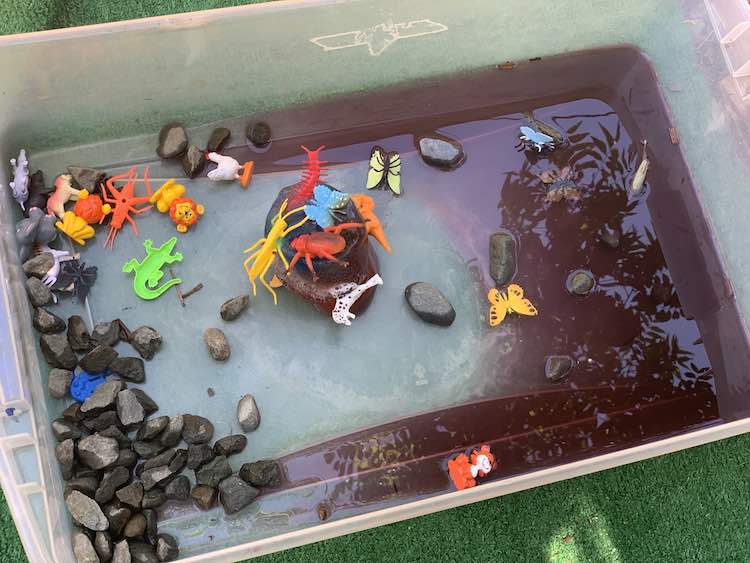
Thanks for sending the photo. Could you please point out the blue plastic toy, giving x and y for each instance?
(83, 384)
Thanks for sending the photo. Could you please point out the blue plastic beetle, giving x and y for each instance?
(535, 139)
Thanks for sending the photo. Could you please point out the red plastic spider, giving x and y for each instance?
(123, 202)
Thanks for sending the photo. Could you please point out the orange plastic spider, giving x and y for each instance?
(124, 202)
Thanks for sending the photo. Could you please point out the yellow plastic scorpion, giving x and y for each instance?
(271, 247)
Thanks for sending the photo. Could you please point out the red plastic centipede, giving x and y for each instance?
(311, 176)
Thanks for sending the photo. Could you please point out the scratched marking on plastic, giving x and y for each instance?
(379, 37)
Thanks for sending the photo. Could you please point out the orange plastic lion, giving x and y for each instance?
(464, 470)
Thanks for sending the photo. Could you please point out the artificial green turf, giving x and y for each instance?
(689, 506)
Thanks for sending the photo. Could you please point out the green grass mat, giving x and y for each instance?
(689, 506)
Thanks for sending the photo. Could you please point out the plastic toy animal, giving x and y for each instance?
(124, 202)
(560, 185)
(228, 169)
(38, 192)
(464, 470)
(327, 205)
(384, 170)
(366, 207)
(640, 175)
(270, 247)
(536, 140)
(164, 196)
(184, 213)
(148, 271)
(513, 302)
(77, 277)
(50, 278)
(84, 384)
(312, 176)
(318, 245)
(20, 183)
(63, 193)
(38, 228)
(91, 208)
(346, 295)
(75, 227)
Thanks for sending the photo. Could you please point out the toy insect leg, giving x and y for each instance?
(294, 261)
(332, 258)
(253, 247)
(281, 255)
(265, 283)
(308, 261)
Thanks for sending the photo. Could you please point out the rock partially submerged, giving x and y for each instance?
(441, 151)
(580, 283)
(46, 322)
(58, 383)
(502, 257)
(173, 141)
(217, 343)
(78, 335)
(235, 494)
(146, 341)
(218, 137)
(234, 307)
(429, 303)
(86, 512)
(57, 351)
(248, 413)
(193, 161)
(262, 473)
(557, 367)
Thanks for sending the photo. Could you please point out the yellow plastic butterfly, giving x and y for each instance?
(384, 170)
(513, 302)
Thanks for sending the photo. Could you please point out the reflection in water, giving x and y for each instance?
(641, 371)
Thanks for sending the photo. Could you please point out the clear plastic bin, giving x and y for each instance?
(98, 95)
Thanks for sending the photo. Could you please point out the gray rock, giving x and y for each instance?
(72, 412)
(63, 430)
(46, 322)
(86, 178)
(151, 530)
(85, 511)
(218, 345)
(557, 367)
(196, 429)
(235, 494)
(442, 152)
(580, 283)
(39, 265)
(162, 459)
(429, 303)
(263, 473)
(103, 546)
(117, 516)
(111, 481)
(193, 161)
(135, 527)
(97, 451)
(248, 414)
(172, 434)
(78, 335)
(155, 476)
(114, 432)
(234, 307)
(178, 461)
(131, 495)
(153, 498)
(102, 421)
(218, 137)
(103, 397)
(142, 553)
(204, 496)
(198, 454)
(58, 383)
(166, 548)
(502, 257)
(173, 141)
(147, 450)
(148, 404)
(83, 471)
(130, 368)
(229, 445)
(127, 458)
(610, 236)
(151, 428)
(213, 472)
(39, 294)
(83, 549)
(146, 341)
(85, 485)
(98, 359)
(178, 489)
(65, 453)
(57, 351)
(107, 334)
(259, 134)
(129, 409)
(121, 552)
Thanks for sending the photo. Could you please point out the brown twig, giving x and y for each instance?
(196, 289)
(177, 287)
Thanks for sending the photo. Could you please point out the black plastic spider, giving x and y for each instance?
(77, 278)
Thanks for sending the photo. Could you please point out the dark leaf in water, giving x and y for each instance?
(577, 138)
(573, 129)
(608, 136)
(76, 273)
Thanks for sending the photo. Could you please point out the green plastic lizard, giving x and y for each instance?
(148, 272)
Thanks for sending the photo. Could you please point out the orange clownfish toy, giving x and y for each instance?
(464, 470)
(184, 213)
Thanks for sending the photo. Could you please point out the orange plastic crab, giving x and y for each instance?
(124, 202)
